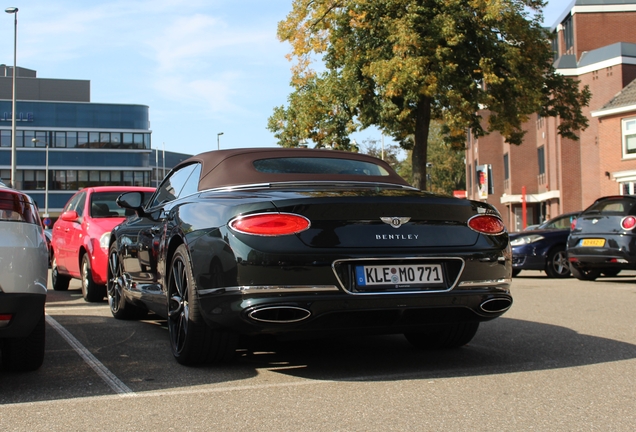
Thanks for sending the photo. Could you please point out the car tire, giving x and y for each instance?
(91, 291)
(25, 353)
(584, 274)
(611, 272)
(192, 341)
(444, 337)
(59, 282)
(515, 272)
(119, 306)
(557, 265)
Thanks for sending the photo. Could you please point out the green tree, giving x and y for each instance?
(389, 152)
(446, 164)
(398, 64)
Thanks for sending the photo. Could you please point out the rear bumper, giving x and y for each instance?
(25, 311)
(335, 312)
(620, 256)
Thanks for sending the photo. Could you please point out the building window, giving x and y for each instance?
(82, 139)
(5, 138)
(628, 188)
(469, 179)
(19, 138)
(506, 168)
(541, 156)
(568, 33)
(629, 137)
(555, 46)
(74, 180)
(28, 139)
(60, 139)
(71, 139)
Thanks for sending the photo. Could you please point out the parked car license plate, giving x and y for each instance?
(593, 242)
(411, 274)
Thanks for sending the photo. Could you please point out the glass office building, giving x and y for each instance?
(89, 144)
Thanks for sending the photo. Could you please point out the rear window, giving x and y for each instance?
(12, 208)
(332, 166)
(104, 205)
(613, 207)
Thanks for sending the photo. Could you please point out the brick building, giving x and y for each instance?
(595, 43)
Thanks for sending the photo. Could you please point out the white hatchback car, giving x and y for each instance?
(23, 281)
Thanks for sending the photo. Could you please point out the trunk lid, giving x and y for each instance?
(380, 218)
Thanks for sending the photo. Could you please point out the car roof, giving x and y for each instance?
(226, 168)
(15, 194)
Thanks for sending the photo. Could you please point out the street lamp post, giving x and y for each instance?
(46, 179)
(218, 140)
(13, 10)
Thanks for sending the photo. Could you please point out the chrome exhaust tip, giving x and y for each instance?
(496, 305)
(279, 314)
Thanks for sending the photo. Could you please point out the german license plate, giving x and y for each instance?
(411, 274)
(593, 242)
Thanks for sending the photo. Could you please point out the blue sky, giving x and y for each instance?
(202, 66)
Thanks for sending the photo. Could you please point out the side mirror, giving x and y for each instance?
(132, 200)
(69, 216)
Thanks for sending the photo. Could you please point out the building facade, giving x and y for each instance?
(594, 43)
(77, 142)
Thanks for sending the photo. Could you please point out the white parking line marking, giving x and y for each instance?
(109, 378)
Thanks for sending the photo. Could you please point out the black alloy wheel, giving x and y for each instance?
(446, 336)
(558, 265)
(120, 308)
(91, 291)
(59, 282)
(583, 273)
(192, 341)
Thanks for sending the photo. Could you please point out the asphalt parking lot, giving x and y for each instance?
(562, 359)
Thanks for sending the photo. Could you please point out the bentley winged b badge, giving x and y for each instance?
(395, 221)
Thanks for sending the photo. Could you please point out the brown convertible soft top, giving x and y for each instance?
(226, 168)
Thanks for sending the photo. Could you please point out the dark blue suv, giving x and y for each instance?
(543, 248)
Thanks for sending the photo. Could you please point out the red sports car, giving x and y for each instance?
(81, 238)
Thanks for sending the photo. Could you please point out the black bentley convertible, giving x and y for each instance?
(300, 242)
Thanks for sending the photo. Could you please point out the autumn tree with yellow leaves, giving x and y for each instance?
(399, 64)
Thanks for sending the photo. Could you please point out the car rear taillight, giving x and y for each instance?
(628, 222)
(573, 225)
(5, 319)
(270, 224)
(487, 224)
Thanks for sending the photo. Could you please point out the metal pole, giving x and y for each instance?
(218, 140)
(14, 10)
(46, 184)
(382, 147)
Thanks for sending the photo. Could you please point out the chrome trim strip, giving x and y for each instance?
(389, 259)
(254, 311)
(481, 306)
(503, 283)
(271, 289)
(306, 183)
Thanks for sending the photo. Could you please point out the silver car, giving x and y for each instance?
(23, 280)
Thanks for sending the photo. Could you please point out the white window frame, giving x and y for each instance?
(628, 129)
